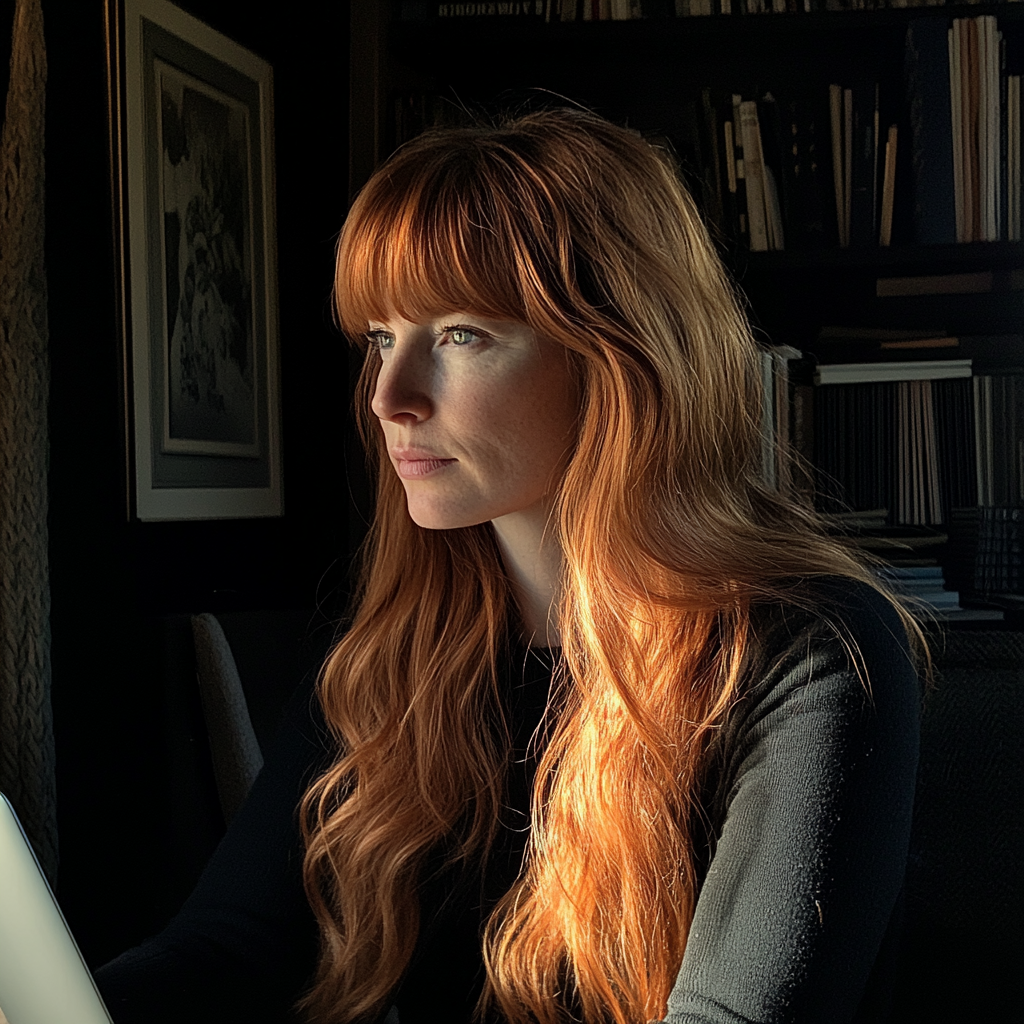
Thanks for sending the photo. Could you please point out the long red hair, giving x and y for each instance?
(582, 230)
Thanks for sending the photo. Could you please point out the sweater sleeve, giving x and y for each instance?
(244, 944)
(817, 789)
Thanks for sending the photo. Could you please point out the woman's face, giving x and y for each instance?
(478, 416)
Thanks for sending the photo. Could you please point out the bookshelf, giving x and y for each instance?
(411, 68)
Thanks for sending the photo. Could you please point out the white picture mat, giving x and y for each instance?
(169, 503)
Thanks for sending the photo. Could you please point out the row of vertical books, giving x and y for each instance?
(631, 10)
(773, 176)
(919, 461)
(827, 167)
(778, 172)
(965, 118)
(918, 438)
(785, 179)
(756, 166)
(863, 199)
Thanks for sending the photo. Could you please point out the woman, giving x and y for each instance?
(616, 732)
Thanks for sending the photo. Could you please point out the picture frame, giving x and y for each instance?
(192, 160)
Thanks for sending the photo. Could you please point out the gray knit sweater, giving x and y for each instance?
(808, 803)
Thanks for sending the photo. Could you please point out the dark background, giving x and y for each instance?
(120, 589)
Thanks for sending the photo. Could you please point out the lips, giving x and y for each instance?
(410, 454)
(422, 467)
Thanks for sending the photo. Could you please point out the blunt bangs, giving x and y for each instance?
(438, 232)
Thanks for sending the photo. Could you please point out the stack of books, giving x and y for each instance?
(926, 586)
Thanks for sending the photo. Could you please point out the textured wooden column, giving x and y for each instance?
(26, 723)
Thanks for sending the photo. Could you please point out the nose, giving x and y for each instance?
(403, 386)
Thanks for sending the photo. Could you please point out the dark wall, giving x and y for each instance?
(116, 585)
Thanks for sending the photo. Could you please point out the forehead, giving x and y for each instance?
(421, 255)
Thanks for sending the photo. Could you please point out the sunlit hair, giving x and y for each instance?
(581, 230)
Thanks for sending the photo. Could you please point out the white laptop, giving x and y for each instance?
(43, 978)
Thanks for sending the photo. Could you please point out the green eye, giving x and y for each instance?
(462, 335)
(379, 339)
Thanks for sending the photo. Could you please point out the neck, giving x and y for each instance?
(533, 559)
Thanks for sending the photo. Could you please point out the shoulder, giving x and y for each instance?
(828, 620)
(830, 688)
(836, 655)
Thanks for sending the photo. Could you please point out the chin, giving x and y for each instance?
(435, 519)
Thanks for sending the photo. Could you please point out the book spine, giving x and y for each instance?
(417, 10)
(714, 170)
(992, 120)
(876, 129)
(935, 512)
(778, 186)
(753, 164)
(1002, 210)
(984, 152)
(927, 70)
(835, 96)
(956, 111)
(1013, 157)
(902, 453)
(967, 128)
(741, 180)
(972, 133)
(863, 164)
(888, 188)
(993, 129)
(847, 161)
(983, 436)
(730, 196)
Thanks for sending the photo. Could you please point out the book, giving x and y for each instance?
(861, 373)
(878, 334)
(1013, 184)
(778, 167)
(1002, 132)
(970, 89)
(936, 284)
(955, 440)
(984, 143)
(863, 164)
(928, 79)
(983, 428)
(911, 575)
(917, 455)
(956, 102)
(847, 162)
(753, 167)
(741, 183)
(835, 97)
(888, 188)
(993, 135)
(713, 175)
(417, 10)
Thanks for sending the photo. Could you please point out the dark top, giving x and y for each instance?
(808, 797)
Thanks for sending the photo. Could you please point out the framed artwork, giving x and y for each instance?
(193, 177)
